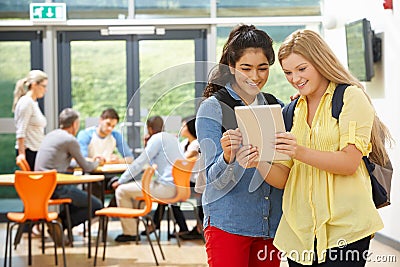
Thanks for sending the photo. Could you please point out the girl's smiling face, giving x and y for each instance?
(251, 73)
(303, 76)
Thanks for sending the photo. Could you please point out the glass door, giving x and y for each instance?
(19, 53)
(170, 75)
(96, 72)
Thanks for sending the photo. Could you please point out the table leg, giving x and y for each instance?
(103, 185)
(89, 191)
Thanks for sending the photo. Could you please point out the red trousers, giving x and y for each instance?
(230, 250)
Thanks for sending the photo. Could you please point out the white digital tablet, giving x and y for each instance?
(258, 125)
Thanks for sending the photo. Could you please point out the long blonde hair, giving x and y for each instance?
(312, 47)
(23, 85)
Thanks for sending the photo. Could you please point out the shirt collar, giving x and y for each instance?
(329, 90)
(232, 92)
(234, 95)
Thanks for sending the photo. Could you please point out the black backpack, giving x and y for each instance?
(381, 176)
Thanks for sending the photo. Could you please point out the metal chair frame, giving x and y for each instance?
(35, 209)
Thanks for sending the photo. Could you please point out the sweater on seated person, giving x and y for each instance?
(56, 152)
(92, 144)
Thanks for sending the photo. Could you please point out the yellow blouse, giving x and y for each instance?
(333, 209)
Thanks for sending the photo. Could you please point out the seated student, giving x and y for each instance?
(190, 147)
(161, 149)
(55, 152)
(101, 141)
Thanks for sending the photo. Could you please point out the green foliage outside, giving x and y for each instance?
(98, 73)
(167, 78)
(99, 77)
(14, 64)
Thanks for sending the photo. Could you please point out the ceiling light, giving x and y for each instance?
(123, 30)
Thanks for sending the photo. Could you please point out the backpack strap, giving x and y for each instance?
(228, 104)
(271, 99)
(288, 114)
(223, 96)
(337, 104)
(337, 100)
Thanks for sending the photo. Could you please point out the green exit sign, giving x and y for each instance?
(48, 12)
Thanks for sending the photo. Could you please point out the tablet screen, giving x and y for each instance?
(258, 125)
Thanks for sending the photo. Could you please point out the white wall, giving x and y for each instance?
(384, 87)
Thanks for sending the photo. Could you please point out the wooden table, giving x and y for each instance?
(65, 179)
(111, 168)
(108, 170)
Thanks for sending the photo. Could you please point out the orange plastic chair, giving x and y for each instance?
(35, 208)
(181, 172)
(139, 214)
(24, 166)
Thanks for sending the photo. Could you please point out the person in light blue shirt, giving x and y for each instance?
(241, 211)
(162, 149)
(101, 140)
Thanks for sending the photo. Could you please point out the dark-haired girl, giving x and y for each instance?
(241, 211)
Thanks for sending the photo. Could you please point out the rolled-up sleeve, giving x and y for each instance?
(355, 120)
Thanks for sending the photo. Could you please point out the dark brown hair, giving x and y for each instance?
(240, 38)
(156, 123)
(190, 122)
(109, 113)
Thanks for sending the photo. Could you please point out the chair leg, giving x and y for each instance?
(99, 232)
(42, 236)
(105, 233)
(10, 243)
(149, 240)
(52, 225)
(137, 231)
(149, 219)
(7, 235)
(171, 214)
(63, 246)
(84, 229)
(18, 236)
(58, 224)
(29, 243)
(168, 221)
(69, 225)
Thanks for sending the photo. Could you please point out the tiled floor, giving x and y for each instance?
(191, 254)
